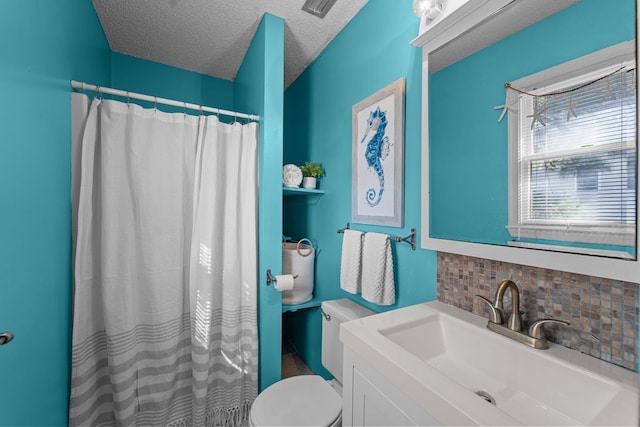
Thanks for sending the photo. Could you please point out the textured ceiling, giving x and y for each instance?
(212, 36)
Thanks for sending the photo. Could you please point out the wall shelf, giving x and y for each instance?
(297, 191)
(314, 302)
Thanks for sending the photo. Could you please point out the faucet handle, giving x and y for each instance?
(495, 315)
(536, 330)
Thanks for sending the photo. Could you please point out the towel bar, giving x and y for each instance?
(410, 239)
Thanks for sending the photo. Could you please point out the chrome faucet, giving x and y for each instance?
(515, 322)
(535, 337)
(497, 308)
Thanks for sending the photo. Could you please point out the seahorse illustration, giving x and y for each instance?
(378, 149)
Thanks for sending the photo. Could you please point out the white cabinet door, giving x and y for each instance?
(371, 407)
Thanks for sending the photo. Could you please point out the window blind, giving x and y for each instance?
(577, 155)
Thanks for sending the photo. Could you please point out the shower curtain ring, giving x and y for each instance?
(128, 100)
(155, 103)
(185, 110)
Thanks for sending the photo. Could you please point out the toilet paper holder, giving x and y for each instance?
(271, 278)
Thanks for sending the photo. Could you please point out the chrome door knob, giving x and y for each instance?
(5, 337)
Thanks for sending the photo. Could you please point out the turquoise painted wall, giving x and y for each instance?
(57, 43)
(371, 52)
(152, 78)
(468, 152)
(259, 90)
(43, 45)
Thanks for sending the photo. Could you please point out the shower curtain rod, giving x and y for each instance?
(158, 100)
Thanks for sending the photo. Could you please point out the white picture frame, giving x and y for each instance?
(378, 157)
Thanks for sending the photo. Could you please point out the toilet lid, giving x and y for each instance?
(297, 401)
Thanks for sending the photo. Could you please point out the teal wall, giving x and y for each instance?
(43, 45)
(371, 52)
(468, 152)
(259, 90)
(46, 44)
(151, 78)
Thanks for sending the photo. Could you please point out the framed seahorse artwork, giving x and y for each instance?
(378, 157)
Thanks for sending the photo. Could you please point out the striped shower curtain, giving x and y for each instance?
(165, 267)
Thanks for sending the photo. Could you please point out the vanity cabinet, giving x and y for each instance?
(369, 399)
(371, 406)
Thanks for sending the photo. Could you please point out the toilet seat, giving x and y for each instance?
(297, 401)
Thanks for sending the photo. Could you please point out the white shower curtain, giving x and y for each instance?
(165, 304)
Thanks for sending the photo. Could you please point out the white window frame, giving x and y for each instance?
(577, 71)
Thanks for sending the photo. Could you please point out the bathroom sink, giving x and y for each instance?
(489, 378)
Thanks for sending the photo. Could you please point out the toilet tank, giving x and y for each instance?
(333, 314)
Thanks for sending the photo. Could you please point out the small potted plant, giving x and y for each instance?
(311, 172)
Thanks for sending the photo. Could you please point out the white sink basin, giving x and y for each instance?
(450, 353)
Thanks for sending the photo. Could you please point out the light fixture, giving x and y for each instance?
(318, 8)
(428, 11)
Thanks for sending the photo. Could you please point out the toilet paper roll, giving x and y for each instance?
(284, 282)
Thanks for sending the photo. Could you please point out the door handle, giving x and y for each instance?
(5, 337)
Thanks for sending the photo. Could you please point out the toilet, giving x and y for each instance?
(307, 400)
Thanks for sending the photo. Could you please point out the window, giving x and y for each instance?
(572, 145)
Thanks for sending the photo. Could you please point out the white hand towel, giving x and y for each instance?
(378, 285)
(351, 264)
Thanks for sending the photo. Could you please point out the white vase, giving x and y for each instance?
(309, 182)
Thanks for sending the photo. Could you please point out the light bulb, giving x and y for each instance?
(428, 9)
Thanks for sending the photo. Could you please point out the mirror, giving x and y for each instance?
(465, 150)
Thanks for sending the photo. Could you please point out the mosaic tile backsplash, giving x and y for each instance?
(603, 313)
